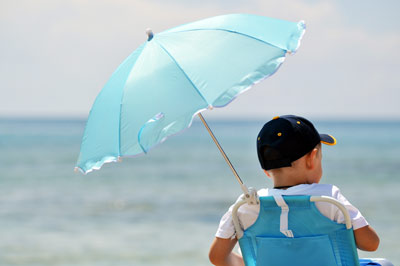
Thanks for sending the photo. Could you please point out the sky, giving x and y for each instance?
(56, 55)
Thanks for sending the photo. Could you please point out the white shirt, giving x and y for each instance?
(248, 214)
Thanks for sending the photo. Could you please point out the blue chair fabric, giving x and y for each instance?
(317, 239)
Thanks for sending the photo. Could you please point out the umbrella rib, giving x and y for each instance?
(242, 185)
(186, 76)
(122, 95)
(235, 32)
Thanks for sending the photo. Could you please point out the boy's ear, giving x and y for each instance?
(310, 158)
(266, 172)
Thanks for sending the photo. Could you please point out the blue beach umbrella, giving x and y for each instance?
(178, 73)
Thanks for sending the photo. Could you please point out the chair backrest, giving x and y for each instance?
(291, 231)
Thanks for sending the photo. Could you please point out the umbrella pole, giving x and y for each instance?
(243, 186)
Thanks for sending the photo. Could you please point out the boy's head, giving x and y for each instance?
(287, 138)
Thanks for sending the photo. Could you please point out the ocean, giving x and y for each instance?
(163, 208)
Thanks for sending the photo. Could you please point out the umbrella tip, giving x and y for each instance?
(150, 34)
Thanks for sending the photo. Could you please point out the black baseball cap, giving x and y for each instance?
(287, 138)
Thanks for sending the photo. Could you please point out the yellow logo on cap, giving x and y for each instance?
(279, 134)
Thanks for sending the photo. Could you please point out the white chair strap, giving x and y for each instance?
(284, 221)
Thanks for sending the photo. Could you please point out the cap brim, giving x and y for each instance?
(327, 139)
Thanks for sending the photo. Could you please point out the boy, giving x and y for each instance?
(289, 151)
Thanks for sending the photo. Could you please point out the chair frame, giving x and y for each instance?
(342, 208)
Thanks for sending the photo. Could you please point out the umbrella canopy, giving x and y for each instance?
(178, 73)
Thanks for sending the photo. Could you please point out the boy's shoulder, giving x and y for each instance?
(303, 189)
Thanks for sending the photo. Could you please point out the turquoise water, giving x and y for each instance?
(164, 208)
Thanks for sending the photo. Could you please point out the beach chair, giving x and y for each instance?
(290, 230)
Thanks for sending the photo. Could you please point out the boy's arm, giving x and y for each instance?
(366, 238)
(221, 253)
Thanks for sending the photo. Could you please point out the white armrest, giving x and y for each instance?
(235, 219)
(341, 207)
